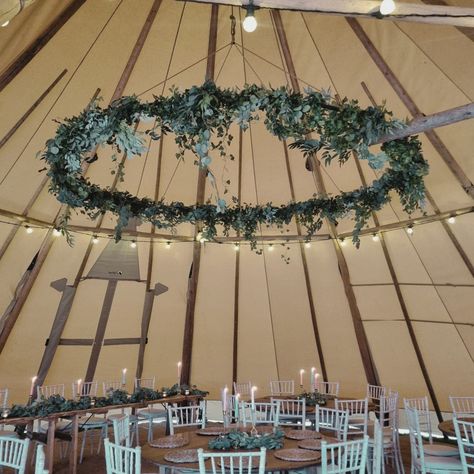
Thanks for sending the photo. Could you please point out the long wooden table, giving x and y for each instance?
(75, 417)
(196, 441)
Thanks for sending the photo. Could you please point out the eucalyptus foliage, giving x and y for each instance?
(242, 440)
(315, 398)
(200, 119)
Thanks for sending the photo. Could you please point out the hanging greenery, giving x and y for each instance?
(58, 404)
(243, 440)
(200, 119)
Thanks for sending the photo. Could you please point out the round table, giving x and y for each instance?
(447, 428)
(272, 464)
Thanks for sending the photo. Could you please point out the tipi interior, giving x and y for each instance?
(168, 305)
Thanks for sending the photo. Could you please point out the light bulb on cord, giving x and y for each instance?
(56, 232)
(270, 248)
(133, 244)
(387, 7)
(250, 22)
(29, 230)
(236, 247)
(342, 241)
(452, 220)
(168, 245)
(6, 23)
(375, 237)
(307, 245)
(95, 239)
(410, 230)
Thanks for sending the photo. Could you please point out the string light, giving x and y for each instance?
(168, 245)
(375, 237)
(270, 248)
(307, 245)
(56, 232)
(5, 24)
(387, 7)
(342, 241)
(452, 219)
(236, 247)
(95, 239)
(29, 230)
(250, 22)
(133, 244)
(410, 229)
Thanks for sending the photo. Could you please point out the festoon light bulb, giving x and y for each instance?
(250, 22)
(387, 7)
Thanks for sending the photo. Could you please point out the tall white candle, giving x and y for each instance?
(79, 382)
(33, 380)
(124, 376)
(224, 399)
(301, 376)
(313, 382)
(236, 408)
(252, 396)
(316, 380)
(180, 365)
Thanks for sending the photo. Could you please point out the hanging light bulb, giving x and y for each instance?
(342, 241)
(270, 248)
(452, 219)
(95, 239)
(375, 237)
(387, 7)
(250, 22)
(307, 245)
(133, 244)
(6, 23)
(56, 232)
(29, 230)
(236, 247)
(168, 245)
(410, 229)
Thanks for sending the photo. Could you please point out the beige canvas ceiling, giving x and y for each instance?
(275, 335)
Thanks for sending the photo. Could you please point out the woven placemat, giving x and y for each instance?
(297, 455)
(212, 431)
(302, 434)
(172, 441)
(182, 456)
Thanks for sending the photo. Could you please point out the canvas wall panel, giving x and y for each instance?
(211, 365)
(424, 302)
(165, 336)
(378, 302)
(459, 302)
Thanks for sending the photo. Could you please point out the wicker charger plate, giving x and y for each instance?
(315, 444)
(302, 434)
(172, 441)
(212, 431)
(182, 456)
(297, 455)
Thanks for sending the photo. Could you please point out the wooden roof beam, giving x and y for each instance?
(421, 13)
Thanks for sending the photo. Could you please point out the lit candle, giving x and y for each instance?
(313, 382)
(316, 381)
(124, 376)
(33, 380)
(301, 376)
(224, 399)
(79, 387)
(252, 395)
(179, 371)
(236, 409)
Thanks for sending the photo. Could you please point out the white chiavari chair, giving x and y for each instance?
(109, 387)
(46, 391)
(282, 387)
(421, 462)
(151, 412)
(121, 428)
(328, 388)
(233, 409)
(40, 461)
(344, 457)
(358, 415)
(3, 407)
(375, 459)
(464, 429)
(332, 420)
(374, 395)
(244, 388)
(462, 405)
(291, 412)
(84, 389)
(233, 463)
(421, 405)
(193, 415)
(264, 413)
(13, 453)
(122, 460)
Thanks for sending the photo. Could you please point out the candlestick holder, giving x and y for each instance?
(186, 392)
(226, 419)
(253, 431)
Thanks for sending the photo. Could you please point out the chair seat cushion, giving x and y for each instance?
(447, 463)
(152, 413)
(440, 449)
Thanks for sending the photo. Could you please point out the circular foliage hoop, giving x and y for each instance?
(200, 119)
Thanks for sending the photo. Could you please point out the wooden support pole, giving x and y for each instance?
(201, 187)
(28, 54)
(35, 104)
(435, 14)
(403, 95)
(428, 122)
(363, 343)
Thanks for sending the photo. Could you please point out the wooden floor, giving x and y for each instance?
(95, 463)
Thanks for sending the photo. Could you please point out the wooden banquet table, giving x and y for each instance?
(272, 463)
(76, 417)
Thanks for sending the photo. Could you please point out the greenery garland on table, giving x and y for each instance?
(200, 119)
(242, 440)
(58, 404)
(315, 398)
